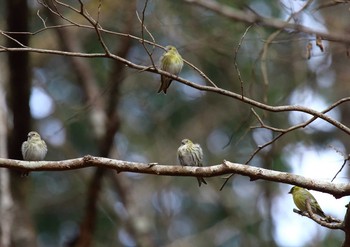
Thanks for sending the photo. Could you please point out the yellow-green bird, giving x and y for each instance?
(34, 149)
(190, 154)
(171, 61)
(300, 195)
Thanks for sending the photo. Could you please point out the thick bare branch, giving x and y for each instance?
(336, 189)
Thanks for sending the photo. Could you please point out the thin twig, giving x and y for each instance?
(13, 39)
(99, 11)
(341, 168)
(96, 26)
(42, 19)
(201, 73)
(226, 180)
(235, 58)
(55, 10)
(143, 27)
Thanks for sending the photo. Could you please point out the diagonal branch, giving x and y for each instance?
(328, 222)
(252, 18)
(283, 108)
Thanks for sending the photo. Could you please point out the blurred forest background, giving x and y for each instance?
(99, 106)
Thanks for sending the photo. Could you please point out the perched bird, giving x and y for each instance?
(171, 61)
(300, 195)
(190, 154)
(34, 149)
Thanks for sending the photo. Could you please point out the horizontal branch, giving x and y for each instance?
(336, 189)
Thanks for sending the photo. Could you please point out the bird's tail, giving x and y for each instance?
(321, 213)
(162, 89)
(200, 181)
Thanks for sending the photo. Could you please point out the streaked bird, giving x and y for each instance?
(300, 195)
(34, 149)
(171, 61)
(190, 154)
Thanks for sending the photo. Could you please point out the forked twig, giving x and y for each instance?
(143, 27)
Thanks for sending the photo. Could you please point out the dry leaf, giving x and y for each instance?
(308, 50)
(319, 42)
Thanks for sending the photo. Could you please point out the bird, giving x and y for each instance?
(34, 149)
(172, 62)
(300, 195)
(190, 154)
